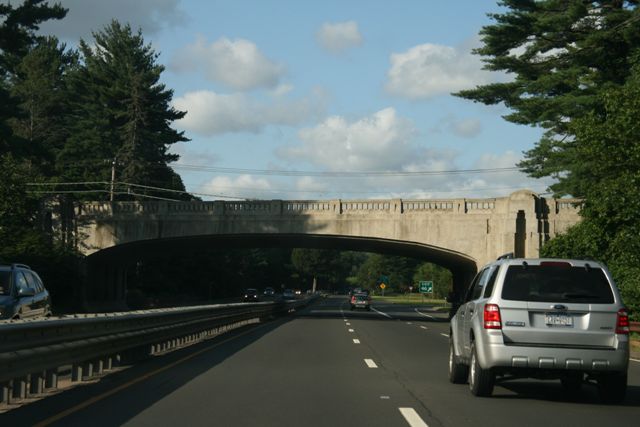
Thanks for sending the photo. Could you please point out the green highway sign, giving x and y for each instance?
(426, 287)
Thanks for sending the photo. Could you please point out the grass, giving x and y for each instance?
(412, 299)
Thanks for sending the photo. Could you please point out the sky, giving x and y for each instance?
(346, 99)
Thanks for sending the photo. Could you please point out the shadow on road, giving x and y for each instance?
(120, 396)
(552, 391)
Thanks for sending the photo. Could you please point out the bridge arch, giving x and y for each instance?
(459, 234)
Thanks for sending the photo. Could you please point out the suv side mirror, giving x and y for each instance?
(28, 292)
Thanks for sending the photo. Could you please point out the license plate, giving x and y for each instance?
(558, 319)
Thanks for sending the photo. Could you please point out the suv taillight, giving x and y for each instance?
(492, 319)
(622, 323)
(353, 299)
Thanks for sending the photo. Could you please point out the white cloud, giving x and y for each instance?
(430, 70)
(210, 113)
(239, 63)
(340, 36)
(466, 128)
(242, 186)
(381, 141)
(85, 16)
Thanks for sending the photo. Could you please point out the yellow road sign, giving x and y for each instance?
(382, 286)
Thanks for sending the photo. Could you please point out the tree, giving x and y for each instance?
(123, 113)
(561, 54)
(39, 85)
(18, 25)
(441, 277)
(399, 270)
(608, 146)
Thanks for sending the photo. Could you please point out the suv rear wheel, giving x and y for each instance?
(480, 380)
(612, 388)
(458, 372)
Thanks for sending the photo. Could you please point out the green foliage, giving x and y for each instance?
(561, 55)
(123, 112)
(441, 277)
(608, 146)
(399, 270)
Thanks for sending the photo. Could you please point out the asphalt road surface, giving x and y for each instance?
(323, 366)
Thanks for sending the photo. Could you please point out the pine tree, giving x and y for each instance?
(123, 112)
(562, 54)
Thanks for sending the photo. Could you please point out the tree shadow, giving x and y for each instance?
(120, 396)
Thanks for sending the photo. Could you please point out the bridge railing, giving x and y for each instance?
(32, 353)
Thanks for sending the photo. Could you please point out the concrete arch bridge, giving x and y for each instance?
(459, 234)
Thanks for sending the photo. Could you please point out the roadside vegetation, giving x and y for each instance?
(574, 70)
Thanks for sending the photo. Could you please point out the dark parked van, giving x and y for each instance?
(22, 294)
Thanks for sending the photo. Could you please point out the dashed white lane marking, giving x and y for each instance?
(370, 363)
(380, 312)
(409, 323)
(348, 324)
(424, 327)
(445, 335)
(356, 341)
(423, 314)
(350, 330)
(412, 417)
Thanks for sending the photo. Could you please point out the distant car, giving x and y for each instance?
(542, 318)
(288, 294)
(251, 295)
(360, 300)
(269, 292)
(22, 294)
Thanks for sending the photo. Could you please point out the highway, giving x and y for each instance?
(323, 366)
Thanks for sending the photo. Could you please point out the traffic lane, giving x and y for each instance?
(305, 371)
(418, 357)
(340, 306)
(82, 397)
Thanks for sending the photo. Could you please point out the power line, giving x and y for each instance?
(340, 174)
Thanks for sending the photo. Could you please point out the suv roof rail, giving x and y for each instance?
(20, 266)
(509, 255)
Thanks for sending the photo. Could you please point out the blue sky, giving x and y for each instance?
(324, 88)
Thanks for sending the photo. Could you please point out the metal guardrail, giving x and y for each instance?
(33, 352)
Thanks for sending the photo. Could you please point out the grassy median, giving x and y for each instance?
(412, 299)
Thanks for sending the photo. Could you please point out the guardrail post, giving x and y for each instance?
(36, 384)
(19, 388)
(108, 363)
(76, 373)
(87, 371)
(98, 367)
(5, 392)
(51, 378)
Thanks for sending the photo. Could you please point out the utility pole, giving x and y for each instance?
(113, 177)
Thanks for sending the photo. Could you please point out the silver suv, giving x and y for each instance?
(541, 318)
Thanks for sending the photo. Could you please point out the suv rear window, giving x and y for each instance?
(551, 283)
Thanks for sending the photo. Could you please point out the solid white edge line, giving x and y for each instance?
(634, 360)
(350, 330)
(380, 312)
(424, 327)
(370, 363)
(412, 417)
(423, 314)
(445, 335)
